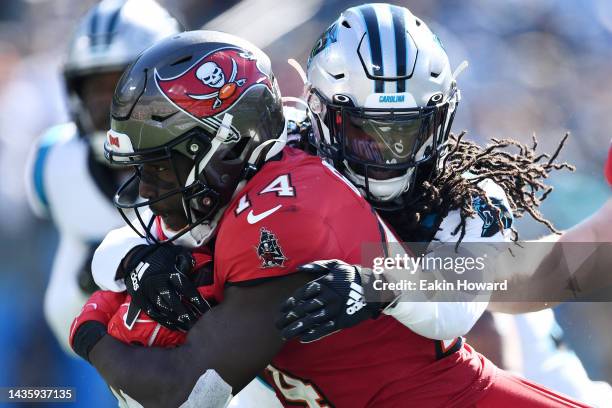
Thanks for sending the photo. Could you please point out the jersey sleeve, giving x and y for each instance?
(109, 255)
(36, 167)
(249, 253)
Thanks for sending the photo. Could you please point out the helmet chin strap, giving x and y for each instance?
(460, 68)
(198, 235)
(297, 101)
(296, 65)
(307, 88)
(381, 190)
(276, 149)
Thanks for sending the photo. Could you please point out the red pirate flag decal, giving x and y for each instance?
(214, 83)
(112, 140)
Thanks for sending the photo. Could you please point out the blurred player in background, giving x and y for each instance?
(68, 179)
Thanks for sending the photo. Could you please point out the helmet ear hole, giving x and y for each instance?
(343, 100)
(435, 98)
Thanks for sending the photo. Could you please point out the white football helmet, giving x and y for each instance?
(380, 85)
(107, 40)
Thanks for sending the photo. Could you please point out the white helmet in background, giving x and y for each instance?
(106, 41)
(381, 87)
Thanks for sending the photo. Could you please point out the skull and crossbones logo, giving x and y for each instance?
(211, 74)
(215, 82)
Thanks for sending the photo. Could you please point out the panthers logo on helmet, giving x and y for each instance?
(329, 37)
(214, 83)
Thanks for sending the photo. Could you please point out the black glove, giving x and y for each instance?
(332, 302)
(157, 280)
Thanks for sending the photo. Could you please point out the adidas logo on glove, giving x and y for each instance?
(137, 274)
(356, 300)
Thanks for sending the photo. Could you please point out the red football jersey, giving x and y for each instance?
(298, 210)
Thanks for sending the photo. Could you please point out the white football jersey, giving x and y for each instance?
(556, 367)
(60, 187)
(447, 320)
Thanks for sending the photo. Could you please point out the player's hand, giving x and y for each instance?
(332, 302)
(90, 325)
(157, 280)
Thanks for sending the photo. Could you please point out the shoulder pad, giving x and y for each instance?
(491, 217)
(36, 164)
(486, 225)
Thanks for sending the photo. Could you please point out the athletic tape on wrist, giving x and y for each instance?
(211, 391)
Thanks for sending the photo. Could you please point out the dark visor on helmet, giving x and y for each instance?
(384, 143)
(382, 139)
(396, 138)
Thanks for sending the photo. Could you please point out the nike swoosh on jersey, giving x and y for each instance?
(252, 218)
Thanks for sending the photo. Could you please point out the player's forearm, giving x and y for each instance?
(154, 377)
(594, 229)
(526, 269)
(541, 279)
(537, 277)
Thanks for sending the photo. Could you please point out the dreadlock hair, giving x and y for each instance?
(520, 174)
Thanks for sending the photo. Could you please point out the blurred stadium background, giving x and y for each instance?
(538, 66)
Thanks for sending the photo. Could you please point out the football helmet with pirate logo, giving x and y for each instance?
(380, 86)
(196, 115)
(106, 40)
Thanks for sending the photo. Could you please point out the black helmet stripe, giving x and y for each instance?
(111, 26)
(101, 28)
(399, 28)
(371, 21)
(93, 26)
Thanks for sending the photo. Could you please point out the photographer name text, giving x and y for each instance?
(440, 285)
